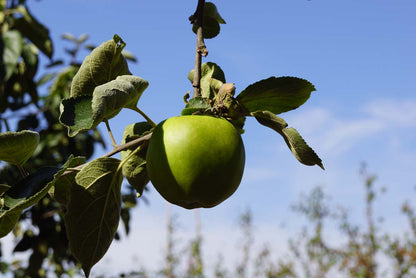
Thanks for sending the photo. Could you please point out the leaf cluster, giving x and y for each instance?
(262, 100)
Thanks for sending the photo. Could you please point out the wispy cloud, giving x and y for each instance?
(336, 135)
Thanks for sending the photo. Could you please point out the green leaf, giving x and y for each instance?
(276, 94)
(212, 21)
(11, 47)
(62, 186)
(102, 65)
(37, 33)
(76, 114)
(3, 188)
(211, 28)
(212, 78)
(24, 194)
(211, 10)
(294, 141)
(84, 113)
(134, 169)
(300, 149)
(197, 104)
(30, 57)
(93, 211)
(17, 147)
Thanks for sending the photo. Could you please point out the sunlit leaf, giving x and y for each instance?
(197, 104)
(17, 147)
(102, 65)
(93, 210)
(11, 47)
(134, 169)
(36, 32)
(212, 77)
(84, 113)
(300, 149)
(276, 94)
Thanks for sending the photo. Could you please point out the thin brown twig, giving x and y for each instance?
(116, 149)
(201, 50)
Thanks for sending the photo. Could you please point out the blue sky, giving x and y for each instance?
(360, 55)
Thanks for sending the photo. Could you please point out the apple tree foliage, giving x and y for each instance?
(88, 194)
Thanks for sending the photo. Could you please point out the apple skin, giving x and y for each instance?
(195, 160)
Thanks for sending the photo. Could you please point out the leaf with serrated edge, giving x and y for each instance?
(93, 210)
(17, 147)
(276, 94)
(294, 141)
(25, 194)
(211, 75)
(102, 65)
(300, 149)
(134, 169)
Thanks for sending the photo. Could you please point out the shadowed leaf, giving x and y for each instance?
(11, 47)
(25, 194)
(17, 147)
(93, 210)
(37, 33)
(84, 113)
(134, 169)
(294, 141)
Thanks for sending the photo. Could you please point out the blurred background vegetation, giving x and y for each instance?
(30, 98)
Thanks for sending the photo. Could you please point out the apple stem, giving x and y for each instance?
(201, 50)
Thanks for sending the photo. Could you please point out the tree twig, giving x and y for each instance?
(116, 149)
(198, 19)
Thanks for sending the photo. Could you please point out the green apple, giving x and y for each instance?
(196, 160)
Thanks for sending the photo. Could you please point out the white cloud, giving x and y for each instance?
(336, 135)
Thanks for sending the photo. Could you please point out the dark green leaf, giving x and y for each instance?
(276, 94)
(294, 141)
(211, 10)
(197, 104)
(17, 147)
(300, 149)
(37, 33)
(94, 210)
(134, 169)
(30, 57)
(212, 21)
(212, 78)
(25, 194)
(84, 113)
(102, 65)
(76, 114)
(211, 28)
(61, 189)
(3, 188)
(11, 47)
